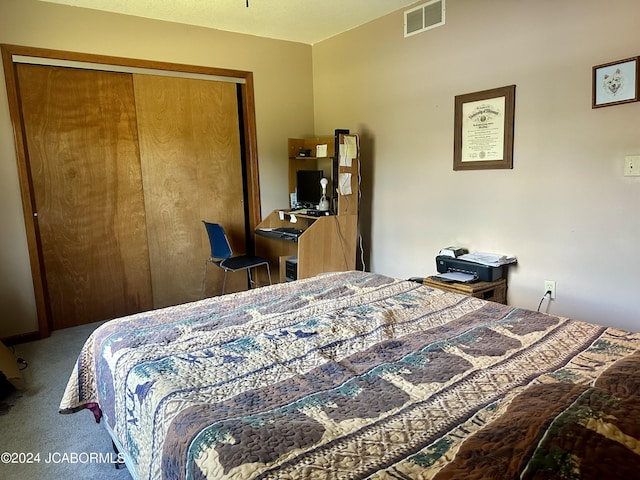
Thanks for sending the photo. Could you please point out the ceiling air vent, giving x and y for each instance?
(424, 17)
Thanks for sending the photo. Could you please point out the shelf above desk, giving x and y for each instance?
(342, 175)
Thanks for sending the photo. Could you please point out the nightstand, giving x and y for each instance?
(492, 291)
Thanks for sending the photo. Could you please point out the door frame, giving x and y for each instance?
(13, 54)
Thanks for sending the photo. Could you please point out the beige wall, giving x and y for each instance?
(283, 92)
(565, 210)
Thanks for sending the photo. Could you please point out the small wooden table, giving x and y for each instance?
(492, 291)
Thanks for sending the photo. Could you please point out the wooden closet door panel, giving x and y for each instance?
(82, 147)
(191, 171)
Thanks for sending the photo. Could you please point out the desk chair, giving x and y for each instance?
(222, 256)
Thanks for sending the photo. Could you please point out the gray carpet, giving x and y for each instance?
(69, 446)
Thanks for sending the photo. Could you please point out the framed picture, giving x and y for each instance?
(615, 83)
(483, 135)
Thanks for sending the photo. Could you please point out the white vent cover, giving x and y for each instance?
(424, 17)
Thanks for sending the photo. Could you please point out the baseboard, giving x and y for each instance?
(21, 338)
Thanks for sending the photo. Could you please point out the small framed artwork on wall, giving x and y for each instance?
(615, 82)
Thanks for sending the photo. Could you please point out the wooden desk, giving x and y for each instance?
(328, 244)
(492, 291)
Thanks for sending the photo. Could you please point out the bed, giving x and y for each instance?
(358, 375)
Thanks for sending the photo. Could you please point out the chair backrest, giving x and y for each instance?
(220, 247)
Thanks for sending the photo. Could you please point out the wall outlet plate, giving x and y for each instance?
(632, 166)
(550, 286)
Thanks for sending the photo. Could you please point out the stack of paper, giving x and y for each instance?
(490, 259)
(456, 277)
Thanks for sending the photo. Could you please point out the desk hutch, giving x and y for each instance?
(328, 243)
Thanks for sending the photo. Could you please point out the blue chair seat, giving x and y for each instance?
(241, 262)
(222, 256)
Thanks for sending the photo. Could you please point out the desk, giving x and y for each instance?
(327, 244)
(492, 291)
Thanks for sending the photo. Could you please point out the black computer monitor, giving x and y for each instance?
(308, 187)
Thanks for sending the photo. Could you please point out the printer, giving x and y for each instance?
(483, 273)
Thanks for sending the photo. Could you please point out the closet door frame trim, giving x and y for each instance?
(13, 55)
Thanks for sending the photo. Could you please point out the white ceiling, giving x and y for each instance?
(305, 21)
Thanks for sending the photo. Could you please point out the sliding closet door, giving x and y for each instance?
(83, 159)
(191, 171)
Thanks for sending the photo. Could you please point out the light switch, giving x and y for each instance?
(632, 166)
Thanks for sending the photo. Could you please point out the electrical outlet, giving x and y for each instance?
(632, 166)
(550, 286)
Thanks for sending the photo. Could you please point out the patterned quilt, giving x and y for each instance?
(357, 375)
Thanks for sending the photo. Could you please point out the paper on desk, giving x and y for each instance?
(348, 151)
(490, 259)
(456, 277)
(344, 183)
(344, 160)
(351, 141)
(321, 150)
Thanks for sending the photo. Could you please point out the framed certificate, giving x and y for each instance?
(615, 83)
(483, 135)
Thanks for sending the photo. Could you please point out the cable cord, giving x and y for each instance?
(342, 241)
(548, 292)
(360, 239)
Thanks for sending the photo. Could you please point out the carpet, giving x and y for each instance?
(37, 442)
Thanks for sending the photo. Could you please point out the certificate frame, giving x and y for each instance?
(483, 129)
(615, 83)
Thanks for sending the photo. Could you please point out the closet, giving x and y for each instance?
(118, 168)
